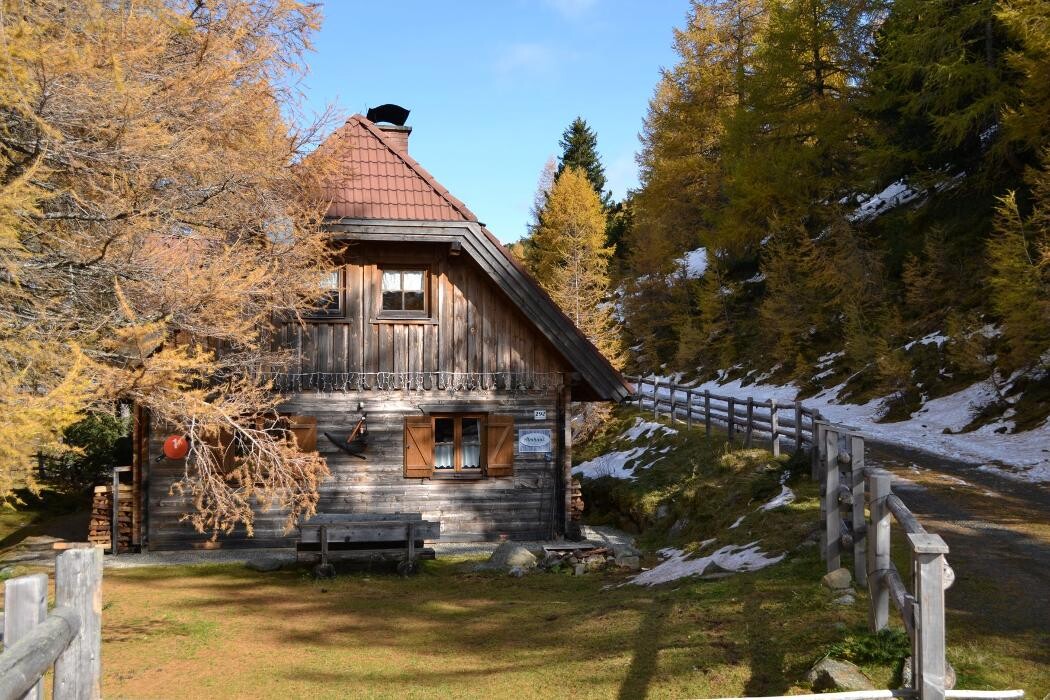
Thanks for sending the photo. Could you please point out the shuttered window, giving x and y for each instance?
(463, 446)
(304, 428)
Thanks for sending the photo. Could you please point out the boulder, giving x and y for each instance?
(833, 674)
(516, 571)
(264, 564)
(838, 579)
(848, 599)
(678, 529)
(509, 555)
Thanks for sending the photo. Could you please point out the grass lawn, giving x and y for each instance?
(449, 632)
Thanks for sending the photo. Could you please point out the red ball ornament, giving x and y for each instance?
(176, 447)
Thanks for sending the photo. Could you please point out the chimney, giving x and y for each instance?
(390, 119)
(396, 135)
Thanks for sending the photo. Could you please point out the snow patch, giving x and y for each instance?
(612, 464)
(647, 429)
(935, 338)
(737, 523)
(786, 496)
(677, 564)
(694, 263)
(894, 195)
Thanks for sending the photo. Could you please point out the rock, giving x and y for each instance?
(906, 676)
(833, 674)
(594, 563)
(847, 599)
(509, 555)
(662, 511)
(516, 571)
(678, 528)
(838, 579)
(632, 562)
(579, 569)
(263, 564)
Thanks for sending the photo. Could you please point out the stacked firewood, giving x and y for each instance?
(577, 501)
(100, 533)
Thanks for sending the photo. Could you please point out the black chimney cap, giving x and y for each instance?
(392, 114)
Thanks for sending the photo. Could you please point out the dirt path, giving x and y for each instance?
(999, 534)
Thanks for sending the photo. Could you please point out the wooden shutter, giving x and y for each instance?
(304, 428)
(419, 447)
(499, 446)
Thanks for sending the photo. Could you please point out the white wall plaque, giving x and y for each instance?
(539, 414)
(534, 440)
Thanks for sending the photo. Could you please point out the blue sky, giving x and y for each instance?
(492, 85)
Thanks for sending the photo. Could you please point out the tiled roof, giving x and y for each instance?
(376, 180)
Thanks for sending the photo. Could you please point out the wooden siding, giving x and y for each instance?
(472, 329)
(523, 506)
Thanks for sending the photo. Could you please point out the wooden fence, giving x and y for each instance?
(857, 505)
(68, 637)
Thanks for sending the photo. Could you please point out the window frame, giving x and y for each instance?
(458, 471)
(403, 314)
(339, 308)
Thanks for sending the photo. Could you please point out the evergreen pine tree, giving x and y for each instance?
(579, 146)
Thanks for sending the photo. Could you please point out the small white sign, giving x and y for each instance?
(534, 440)
(539, 414)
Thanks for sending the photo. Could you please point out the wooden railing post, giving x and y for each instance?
(689, 408)
(25, 607)
(732, 418)
(832, 516)
(707, 413)
(817, 450)
(674, 395)
(879, 552)
(860, 526)
(78, 586)
(656, 398)
(750, 421)
(774, 429)
(798, 426)
(928, 647)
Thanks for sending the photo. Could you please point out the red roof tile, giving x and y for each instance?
(376, 180)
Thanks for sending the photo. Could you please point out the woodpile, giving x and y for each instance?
(576, 512)
(100, 532)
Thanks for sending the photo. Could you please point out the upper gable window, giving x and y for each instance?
(404, 292)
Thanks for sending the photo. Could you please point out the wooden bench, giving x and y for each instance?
(369, 536)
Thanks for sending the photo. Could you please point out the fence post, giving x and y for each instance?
(817, 450)
(832, 516)
(78, 586)
(707, 412)
(674, 396)
(928, 648)
(114, 546)
(689, 408)
(798, 426)
(774, 428)
(860, 527)
(879, 552)
(656, 398)
(25, 607)
(750, 421)
(732, 418)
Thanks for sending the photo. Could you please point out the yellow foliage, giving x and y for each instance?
(156, 212)
(569, 257)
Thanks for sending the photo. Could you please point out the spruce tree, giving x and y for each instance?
(579, 146)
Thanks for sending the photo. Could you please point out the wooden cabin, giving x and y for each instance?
(461, 366)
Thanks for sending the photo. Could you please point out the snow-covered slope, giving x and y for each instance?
(933, 428)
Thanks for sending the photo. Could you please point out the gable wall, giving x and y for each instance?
(474, 328)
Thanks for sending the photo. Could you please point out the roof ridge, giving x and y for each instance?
(418, 169)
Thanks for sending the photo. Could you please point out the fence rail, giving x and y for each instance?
(857, 507)
(68, 637)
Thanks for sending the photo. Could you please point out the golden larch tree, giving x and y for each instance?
(156, 216)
